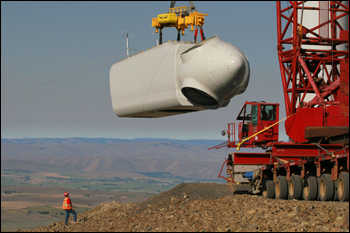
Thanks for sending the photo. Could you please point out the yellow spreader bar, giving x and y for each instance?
(240, 143)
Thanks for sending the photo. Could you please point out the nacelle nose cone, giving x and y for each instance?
(227, 66)
(213, 72)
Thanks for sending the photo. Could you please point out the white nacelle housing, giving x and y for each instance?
(177, 78)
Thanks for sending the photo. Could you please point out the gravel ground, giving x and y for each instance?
(194, 191)
(210, 207)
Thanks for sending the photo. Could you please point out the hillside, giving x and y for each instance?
(186, 158)
(138, 148)
(209, 207)
(33, 166)
(168, 150)
(79, 140)
(64, 165)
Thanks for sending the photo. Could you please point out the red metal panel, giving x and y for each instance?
(333, 116)
(295, 152)
(344, 92)
(295, 125)
(251, 158)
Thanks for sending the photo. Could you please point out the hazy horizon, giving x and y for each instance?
(46, 37)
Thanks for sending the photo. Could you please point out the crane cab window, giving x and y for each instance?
(245, 113)
(254, 115)
(249, 115)
(268, 112)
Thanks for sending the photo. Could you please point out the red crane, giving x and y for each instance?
(311, 61)
(314, 64)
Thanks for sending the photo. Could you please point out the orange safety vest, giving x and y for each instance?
(65, 205)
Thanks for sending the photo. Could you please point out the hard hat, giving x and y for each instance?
(66, 194)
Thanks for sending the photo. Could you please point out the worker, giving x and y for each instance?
(68, 207)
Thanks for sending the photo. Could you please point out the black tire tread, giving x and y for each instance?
(311, 182)
(296, 180)
(345, 180)
(327, 179)
(283, 188)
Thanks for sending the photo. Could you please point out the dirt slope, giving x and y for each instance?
(210, 207)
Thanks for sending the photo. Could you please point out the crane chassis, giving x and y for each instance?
(314, 64)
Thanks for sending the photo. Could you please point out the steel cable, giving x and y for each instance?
(61, 78)
(59, 71)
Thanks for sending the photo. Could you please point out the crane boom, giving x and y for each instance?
(313, 53)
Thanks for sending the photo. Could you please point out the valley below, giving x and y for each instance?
(36, 172)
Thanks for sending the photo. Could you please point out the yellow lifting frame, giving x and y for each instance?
(193, 19)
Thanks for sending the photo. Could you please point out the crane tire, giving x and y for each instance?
(281, 188)
(310, 188)
(326, 188)
(268, 188)
(295, 187)
(335, 195)
(318, 186)
(343, 187)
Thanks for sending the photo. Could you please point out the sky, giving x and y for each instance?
(40, 38)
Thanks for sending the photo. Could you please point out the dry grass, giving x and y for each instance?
(9, 175)
(52, 175)
(37, 180)
(116, 174)
(19, 204)
(51, 195)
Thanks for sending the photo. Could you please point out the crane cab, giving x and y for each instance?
(254, 117)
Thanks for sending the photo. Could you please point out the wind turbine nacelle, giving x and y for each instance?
(177, 78)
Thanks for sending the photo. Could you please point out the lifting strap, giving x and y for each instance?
(240, 143)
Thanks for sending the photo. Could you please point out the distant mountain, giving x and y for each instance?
(33, 166)
(70, 165)
(166, 149)
(103, 141)
(186, 158)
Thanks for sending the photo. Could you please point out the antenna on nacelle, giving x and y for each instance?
(155, 38)
(127, 40)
